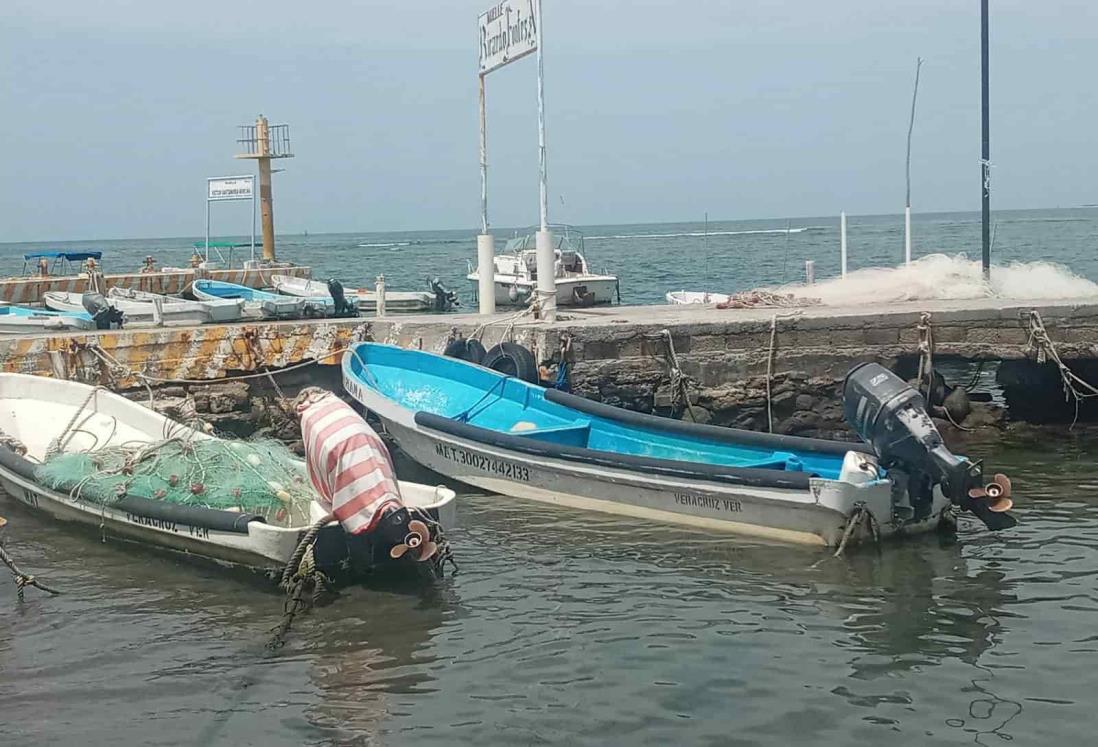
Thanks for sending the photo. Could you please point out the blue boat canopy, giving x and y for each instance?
(70, 256)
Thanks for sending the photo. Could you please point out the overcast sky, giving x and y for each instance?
(113, 113)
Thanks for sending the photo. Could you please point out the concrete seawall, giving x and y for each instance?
(621, 355)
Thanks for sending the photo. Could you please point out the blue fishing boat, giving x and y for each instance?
(516, 439)
(257, 304)
(17, 320)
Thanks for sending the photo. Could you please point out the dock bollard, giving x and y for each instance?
(379, 292)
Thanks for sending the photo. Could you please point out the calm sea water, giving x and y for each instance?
(573, 628)
(655, 258)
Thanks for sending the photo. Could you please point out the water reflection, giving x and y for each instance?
(574, 627)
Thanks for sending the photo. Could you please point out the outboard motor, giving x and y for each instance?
(891, 416)
(102, 313)
(445, 299)
(343, 306)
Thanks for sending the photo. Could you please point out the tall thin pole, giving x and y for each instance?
(254, 204)
(541, 124)
(842, 243)
(483, 161)
(546, 254)
(986, 154)
(907, 171)
(486, 243)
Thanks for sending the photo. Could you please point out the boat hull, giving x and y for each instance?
(816, 516)
(591, 290)
(257, 304)
(395, 301)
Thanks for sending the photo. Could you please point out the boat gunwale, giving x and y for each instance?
(758, 477)
(777, 441)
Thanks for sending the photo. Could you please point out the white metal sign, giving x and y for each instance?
(231, 188)
(508, 31)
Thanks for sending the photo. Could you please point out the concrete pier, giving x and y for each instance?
(746, 367)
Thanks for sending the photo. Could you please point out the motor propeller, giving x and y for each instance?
(417, 540)
(996, 493)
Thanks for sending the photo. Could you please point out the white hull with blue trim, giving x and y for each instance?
(515, 439)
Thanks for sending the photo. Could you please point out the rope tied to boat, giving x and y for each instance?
(861, 515)
(926, 347)
(1045, 348)
(21, 578)
(303, 583)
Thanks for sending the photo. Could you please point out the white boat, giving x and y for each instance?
(260, 304)
(516, 272)
(138, 304)
(366, 300)
(20, 320)
(35, 410)
(513, 438)
(684, 297)
(142, 311)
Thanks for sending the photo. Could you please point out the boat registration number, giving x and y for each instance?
(506, 470)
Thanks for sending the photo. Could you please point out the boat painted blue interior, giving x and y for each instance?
(221, 289)
(466, 393)
(24, 311)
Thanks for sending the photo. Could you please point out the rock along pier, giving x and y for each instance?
(756, 368)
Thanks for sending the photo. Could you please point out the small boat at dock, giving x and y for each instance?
(516, 272)
(20, 320)
(49, 424)
(516, 439)
(257, 304)
(138, 303)
(685, 298)
(173, 311)
(366, 300)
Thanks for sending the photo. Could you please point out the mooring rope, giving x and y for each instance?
(770, 373)
(925, 330)
(860, 515)
(679, 381)
(1040, 341)
(21, 578)
(302, 581)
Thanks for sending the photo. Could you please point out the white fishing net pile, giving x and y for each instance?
(943, 277)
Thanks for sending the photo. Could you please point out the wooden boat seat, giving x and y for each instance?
(569, 435)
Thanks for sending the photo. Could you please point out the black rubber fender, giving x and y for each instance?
(474, 351)
(455, 348)
(514, 360)
(466, 350)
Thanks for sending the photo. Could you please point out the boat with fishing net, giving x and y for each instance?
(83, 454)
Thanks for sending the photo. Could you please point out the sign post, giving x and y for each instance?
(224, 188)
(509, 31)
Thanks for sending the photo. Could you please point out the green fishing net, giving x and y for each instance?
(260, 476)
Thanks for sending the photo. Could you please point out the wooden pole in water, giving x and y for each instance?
(985, 160)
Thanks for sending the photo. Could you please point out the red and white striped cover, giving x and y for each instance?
(349, 466)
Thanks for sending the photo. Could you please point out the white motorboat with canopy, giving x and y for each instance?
(516, 272)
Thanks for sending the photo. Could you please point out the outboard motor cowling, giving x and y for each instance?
(102, 313)
(891, 416)
(445, 299)
(343, 306)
